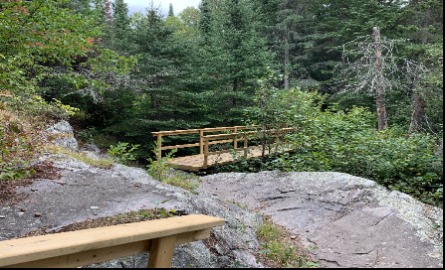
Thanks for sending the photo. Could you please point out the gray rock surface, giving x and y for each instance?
(84, 192)
(347, 221)
(64, 135)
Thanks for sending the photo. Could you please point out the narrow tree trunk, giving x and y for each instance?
(108, 11)
(440, 148)
(380, 90)
(419, 112)
(286, 59)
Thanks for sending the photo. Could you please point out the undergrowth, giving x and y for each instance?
(280, 250)
(162, 171)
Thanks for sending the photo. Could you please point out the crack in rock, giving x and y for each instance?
(274, 198)
(289, 209)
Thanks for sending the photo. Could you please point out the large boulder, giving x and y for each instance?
(63, 134)
(84, 192)
(347, 221)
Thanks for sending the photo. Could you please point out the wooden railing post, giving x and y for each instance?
(201, 142)
(246, 145)
(161, 252)
(159, 145)
(235, 140)
(206, 153)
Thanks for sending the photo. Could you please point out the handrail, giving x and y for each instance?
(205, 141)
(196, 131)
(79, 248)
(201, 133)
(208, 140)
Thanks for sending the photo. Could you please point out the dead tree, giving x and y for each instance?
(379, 81)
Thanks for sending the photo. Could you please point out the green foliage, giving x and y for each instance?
(160, 170)
(278, 250)
(36, 35)
(123, 152)
(21, 138)
(334, 140)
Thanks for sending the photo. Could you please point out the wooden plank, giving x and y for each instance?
(41, 247)
(196, 163)
(228, 128)
(235, 140)
(159, 145)
(220, 142)
(176, 132)
(201, 142)
(205, 164)
(161, 252)
(107, 254)
(87, 257)
(180, 146)
(197, 131)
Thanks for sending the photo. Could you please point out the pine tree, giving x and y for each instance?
(121, 25)
(205, 19)
(235, 55)
(171, 12)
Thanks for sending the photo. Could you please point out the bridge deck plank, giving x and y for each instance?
(196, 163)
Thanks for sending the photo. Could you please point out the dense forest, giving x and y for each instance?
(361, 81)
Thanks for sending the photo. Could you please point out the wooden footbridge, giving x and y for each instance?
(219, 146)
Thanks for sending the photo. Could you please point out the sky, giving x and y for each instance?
(179, 5)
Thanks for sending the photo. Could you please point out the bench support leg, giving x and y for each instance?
(161, 252)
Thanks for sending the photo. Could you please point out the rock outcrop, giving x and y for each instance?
(84, 192)
(64, 135)
(348, 221)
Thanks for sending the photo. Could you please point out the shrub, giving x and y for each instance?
(162, 171)
(332, 140)
(123, 152)
(19, 142)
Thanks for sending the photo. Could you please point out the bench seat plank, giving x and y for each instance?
(25, 250)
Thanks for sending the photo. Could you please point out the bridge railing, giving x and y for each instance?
(202, 134)
(235, 138)
(237, 134)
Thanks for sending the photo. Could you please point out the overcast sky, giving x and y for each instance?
(179, 5)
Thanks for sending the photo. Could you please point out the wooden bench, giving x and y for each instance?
(79, 248)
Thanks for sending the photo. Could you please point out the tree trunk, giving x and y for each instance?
(379, 87)
(286, 59)
(108, 11)
(419, 112)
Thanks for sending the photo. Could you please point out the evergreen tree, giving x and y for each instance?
(121, 25)
(205, 20)
(340, 22)
(235, 55)
(171, 12)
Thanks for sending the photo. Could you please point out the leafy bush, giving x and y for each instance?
(19, 142)
(278, 251)
(22, 132)
(123, 152)
(332, 140)
(162, 171)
